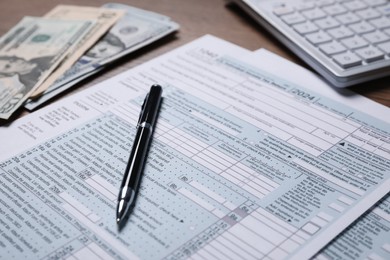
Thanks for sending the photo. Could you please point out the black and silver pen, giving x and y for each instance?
(138, 155)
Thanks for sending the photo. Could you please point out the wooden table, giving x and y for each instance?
(196, 18)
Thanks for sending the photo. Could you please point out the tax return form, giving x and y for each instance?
(369, 236)
(244, 165)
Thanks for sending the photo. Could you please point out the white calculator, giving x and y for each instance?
(346, 41)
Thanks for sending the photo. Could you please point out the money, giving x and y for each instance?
(105, 18)
(29, 52)
(135, 29)
(35, 103)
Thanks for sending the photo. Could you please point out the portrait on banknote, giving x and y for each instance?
(108, 46)
(27, 71)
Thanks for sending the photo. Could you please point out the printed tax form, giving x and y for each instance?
(368, 237)
(243, 165)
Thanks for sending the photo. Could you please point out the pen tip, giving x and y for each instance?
(118, 221)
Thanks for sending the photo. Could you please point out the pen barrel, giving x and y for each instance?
(151, 106)
(137, 160)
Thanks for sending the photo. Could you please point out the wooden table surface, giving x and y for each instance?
(196, 18)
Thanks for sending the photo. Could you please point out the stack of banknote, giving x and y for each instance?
(43, 56)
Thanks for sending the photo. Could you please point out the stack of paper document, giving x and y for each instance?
(253, 157)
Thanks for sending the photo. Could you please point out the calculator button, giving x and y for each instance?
(340, 33)
(347, 60)
(385, 47)
(354, 42)
(355, 5)
(283, 10)
(368, 14)
(335, 9)
(293, 18)
(381, 23)
(348, 18)
(376, 37)
(314, 14)
(327, 23)
(387, 31)
(332, 48)
(305, 28)
(325, 2)
(384, 9)
(370, 54)
(375, 2)
(318, 38)
(305, 6)
(362, 27)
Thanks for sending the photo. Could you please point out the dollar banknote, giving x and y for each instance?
(29, 52)
(136, 29)
(104, 17)
(35, 103)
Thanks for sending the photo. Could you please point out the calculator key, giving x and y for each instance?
(355, 5)
(375, 2)
(347, 60)
(370, 54)
(376, 37)
(335, 9)
(332, 48)
(305, 6)
(294, 18)
(385, 47)
(327, 23)
(325, 2)
(368, 14)
(385, 9)
(305, 28)
(381, 23)
(283, 10)
(340, 32)
(348, 18)
(314, 14)
(355, 42)
(362, 27)
(318, 37)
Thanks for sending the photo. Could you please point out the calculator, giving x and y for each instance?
(345, 41)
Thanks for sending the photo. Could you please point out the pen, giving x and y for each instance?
(137, 159)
